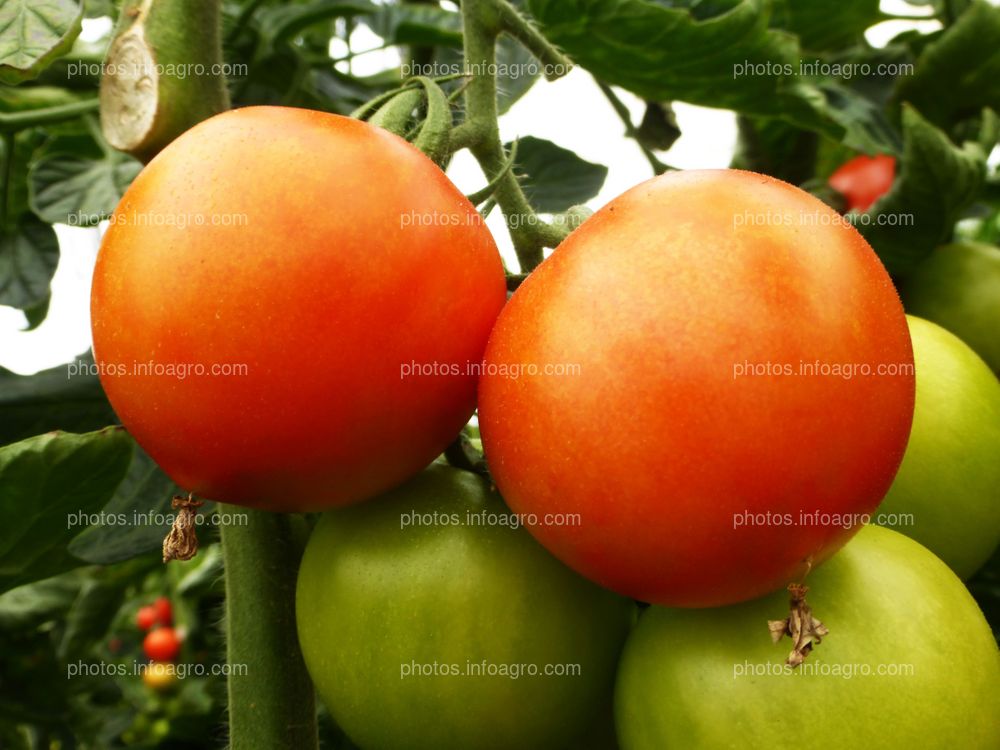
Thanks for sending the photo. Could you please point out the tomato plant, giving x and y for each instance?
(288, 229)
(864, 179)
(384, 620)
(727, 431)
(162, 644)
(204, 293)
(707, 676)
(945, 494)
(958, 287)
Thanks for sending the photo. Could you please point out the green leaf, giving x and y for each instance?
(68, 188)
(555, 178)
(826, 24)
(777, 148)
(418, 25)
(33, 33)
(29, 255)
(91, 615)
(958, 75)
(35, 603)
(136, 519)
(935, 183)
(68, 397)
(46, 482)
(282, 23)
(36, 314)
(730, 60)
(658, 129)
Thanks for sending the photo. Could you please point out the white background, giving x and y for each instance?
(571, 112)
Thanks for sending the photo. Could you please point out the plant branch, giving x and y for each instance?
(483, 21)
(13, 121)
(555, 64)
(630, 130)
(272, 702)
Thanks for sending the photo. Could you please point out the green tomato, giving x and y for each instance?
(909, 662)
(429, 619)
(958, 287)
(946, 494)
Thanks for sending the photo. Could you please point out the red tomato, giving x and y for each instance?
(164, 611)
(146, 618)
(162, 644)
(265, 291)
(671, 405)
(864, 179)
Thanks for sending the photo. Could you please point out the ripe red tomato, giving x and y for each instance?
(146, 618)
(164, 611)
(864, 179)
(691, 344)
(162, 644)
(265, 291)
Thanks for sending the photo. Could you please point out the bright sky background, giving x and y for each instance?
(571, 112)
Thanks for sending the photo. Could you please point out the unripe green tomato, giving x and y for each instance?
(958, 287)
(423, 614)
(909, 662)
(946, 494)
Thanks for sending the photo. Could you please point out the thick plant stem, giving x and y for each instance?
(163, 73)
(483, 21)
(272, 703)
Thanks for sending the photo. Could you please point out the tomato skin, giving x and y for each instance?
(162, 644)
(864, 179)
(946, 494)
(164, 611)
(146, 618)
(714, 679)
(958, 287)
(159, 677)
(377, 595)
(654, 441)
(355, 257)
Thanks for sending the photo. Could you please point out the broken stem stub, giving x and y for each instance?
(181, 543)
(800, 625)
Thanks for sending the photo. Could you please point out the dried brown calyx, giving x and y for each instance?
(182, 541)
(800, 625)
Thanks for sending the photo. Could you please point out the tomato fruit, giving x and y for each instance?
(958, 287)
(907, 663)
(653, 376)
(146, 618)
(864, 179)
(263, 288)
(946, 494)
(164, 611)
(428, 619)
(159, 677)
(162, 644)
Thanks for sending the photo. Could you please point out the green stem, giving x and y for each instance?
(163, 75)
(555, 64)
(8, 170)
(630, 130)
(272, 703)
(14, 121)
(483, 21)
(242, 20)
